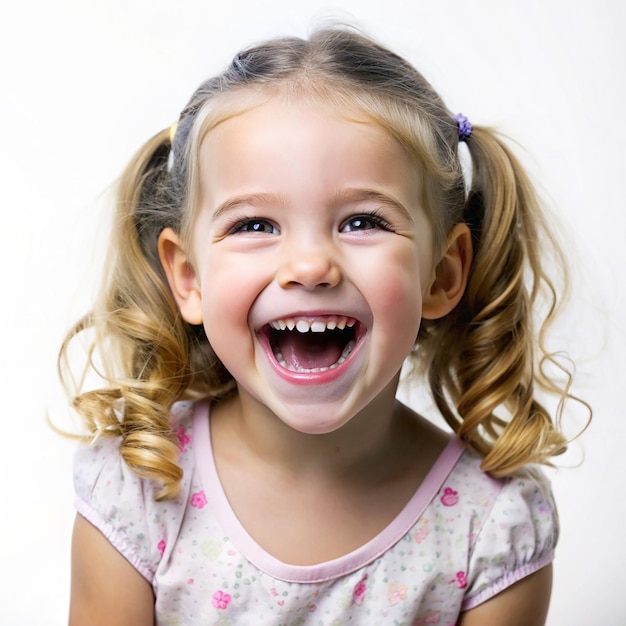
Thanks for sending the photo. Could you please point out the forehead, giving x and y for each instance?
(290, 144)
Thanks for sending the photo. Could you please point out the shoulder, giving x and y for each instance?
(100, 473)
(121, 505)
(514, 533)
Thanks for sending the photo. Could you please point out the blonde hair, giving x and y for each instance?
(481, 358)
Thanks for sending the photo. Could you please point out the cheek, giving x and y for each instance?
(229, 288)
(396, 300)
(398, 280)
(225, 319)
(397, 319)
(401, 298)
(401, 305)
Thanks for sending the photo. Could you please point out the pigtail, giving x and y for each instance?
(148, 356)
(486, 354)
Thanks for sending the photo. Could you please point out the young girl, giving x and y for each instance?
(277, 255)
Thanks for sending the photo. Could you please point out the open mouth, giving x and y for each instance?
(312, 344)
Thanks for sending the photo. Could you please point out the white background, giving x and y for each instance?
(83, 83)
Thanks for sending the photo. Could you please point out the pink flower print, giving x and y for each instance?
(161, 546)
(422, 532)
(198, 499)
(449, 497)
(460, 580)
(360, 589)
(396, 593)
(221, 600)
(183, 438)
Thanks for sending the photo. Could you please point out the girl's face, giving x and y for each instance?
(313, 260)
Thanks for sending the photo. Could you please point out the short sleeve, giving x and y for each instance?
(517, 539)
(122, 506)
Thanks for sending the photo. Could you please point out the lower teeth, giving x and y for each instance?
(344, 355)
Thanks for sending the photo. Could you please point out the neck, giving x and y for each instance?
(254, 432)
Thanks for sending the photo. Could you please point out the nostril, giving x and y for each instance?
(310, 272)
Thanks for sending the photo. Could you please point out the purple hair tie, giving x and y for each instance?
(463, 125)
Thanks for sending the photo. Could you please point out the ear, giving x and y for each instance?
(450, 276)
(181, 276)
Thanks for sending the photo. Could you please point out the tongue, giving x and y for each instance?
(309, 350)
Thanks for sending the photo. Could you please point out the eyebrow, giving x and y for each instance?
(262, 199)
(343, 196)
(355, 195)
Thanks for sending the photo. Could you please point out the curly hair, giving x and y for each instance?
(482, 360)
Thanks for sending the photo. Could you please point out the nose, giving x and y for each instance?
(310, 267)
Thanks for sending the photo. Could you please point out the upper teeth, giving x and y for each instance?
(313, 325)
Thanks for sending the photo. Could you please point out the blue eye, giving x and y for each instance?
(364, 222)
(255, 225)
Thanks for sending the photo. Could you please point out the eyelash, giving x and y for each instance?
(240, 225)
(243, 224)
(373, 216)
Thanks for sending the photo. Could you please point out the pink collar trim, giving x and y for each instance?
(328, 570)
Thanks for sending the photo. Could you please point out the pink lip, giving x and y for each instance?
(311, 378)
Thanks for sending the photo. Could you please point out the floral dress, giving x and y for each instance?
(462, 538)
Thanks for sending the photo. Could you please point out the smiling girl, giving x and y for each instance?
(277, 256)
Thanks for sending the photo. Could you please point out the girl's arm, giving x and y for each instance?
(106, 589)
(523, 604)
